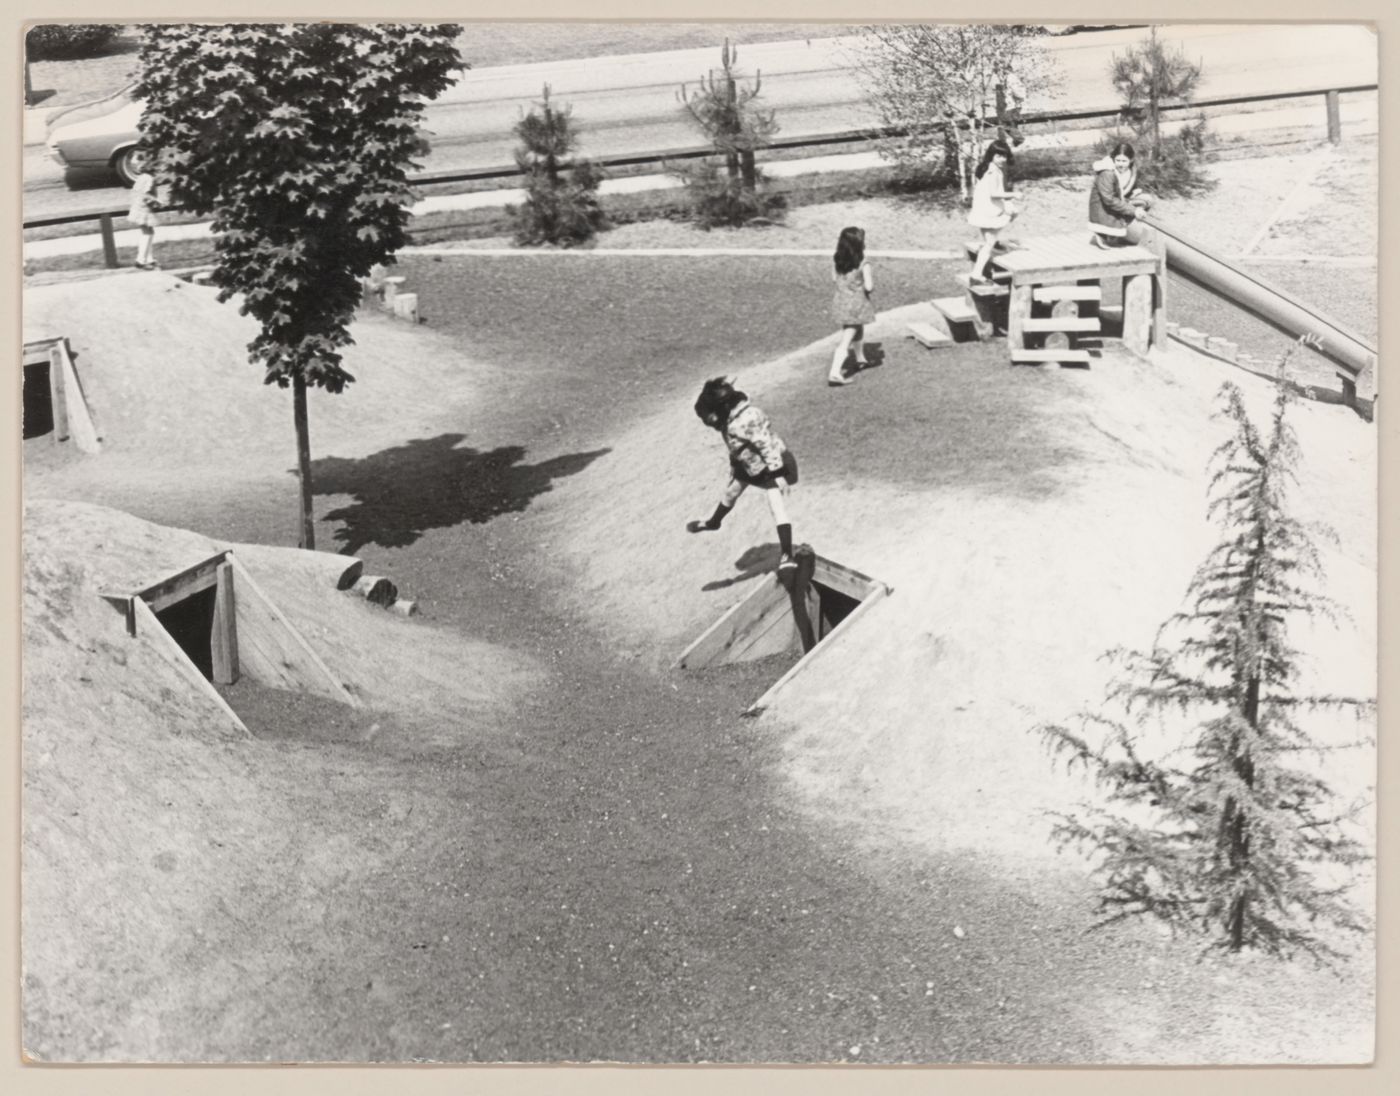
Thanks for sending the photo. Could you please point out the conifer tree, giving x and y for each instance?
(561, 195)
(725, 108)
(1238, 841)
(1149, 76)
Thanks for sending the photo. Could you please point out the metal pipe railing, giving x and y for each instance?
(105, 216)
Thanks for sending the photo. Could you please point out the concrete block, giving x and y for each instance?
(406, 306)
(1192, 337)
(404, 607)
(1222, 347)
(1173, 328)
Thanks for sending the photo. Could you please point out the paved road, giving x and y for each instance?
(628, 104)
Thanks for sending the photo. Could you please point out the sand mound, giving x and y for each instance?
(1004, 601)
(149, 821)
(167, 374)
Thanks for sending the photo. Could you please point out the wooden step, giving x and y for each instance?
(972, 247)
(928, 335)
(1061, 323)
(955, 309)
(1022, 355)
(1067, 293)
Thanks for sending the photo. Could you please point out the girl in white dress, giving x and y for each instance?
(143, 209)
(994, 205)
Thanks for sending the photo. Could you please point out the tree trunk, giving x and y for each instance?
(308, 526)
(750, 172)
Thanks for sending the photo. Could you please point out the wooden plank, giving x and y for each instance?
(187, 587)
(998, 283)
(58, 394)
(157, 590)
(1061, 323)
(928, 335)
(772, 632)
(821, 650)
(1020, 354)
(223, 637)
(82, 424)
(1017, 313)
(1137, 313)
(844, 580)
(719, 636)
(273, 652)
(955, 309)
(152, 629)
(1159, 292)
(1051, 293)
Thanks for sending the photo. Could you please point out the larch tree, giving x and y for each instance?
(1231, 835)
(296, 139)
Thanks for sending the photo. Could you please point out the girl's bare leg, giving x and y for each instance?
(838, 357)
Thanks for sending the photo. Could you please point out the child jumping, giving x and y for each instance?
(993, 204)
(851, 305)
(143, 209)
(757, 458)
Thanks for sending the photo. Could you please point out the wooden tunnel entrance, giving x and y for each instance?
(217, 626)
(54, 400)
(796, 614)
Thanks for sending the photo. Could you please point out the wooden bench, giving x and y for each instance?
(1083, 324)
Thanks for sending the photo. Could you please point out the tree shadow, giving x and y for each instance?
(757, 561)
(430, 483)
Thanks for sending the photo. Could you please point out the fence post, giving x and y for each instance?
(1334, 117)
(109, 241)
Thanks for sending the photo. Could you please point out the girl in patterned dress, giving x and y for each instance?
(851, 305)
(757, 458)
(143, 209)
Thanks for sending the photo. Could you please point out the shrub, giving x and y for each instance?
(561, 195)
(718, 198)
(66, 41)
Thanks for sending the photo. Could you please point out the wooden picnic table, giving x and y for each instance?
(1069, 259)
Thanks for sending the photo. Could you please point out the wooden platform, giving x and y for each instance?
(1046, 270)
(1071, 257)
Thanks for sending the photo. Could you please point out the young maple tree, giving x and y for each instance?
(1239, 842)
(296, 139)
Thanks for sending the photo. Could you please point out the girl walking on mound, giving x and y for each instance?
(851, 305)
(757, 458)
(993, 204)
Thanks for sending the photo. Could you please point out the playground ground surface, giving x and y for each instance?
(554, 848)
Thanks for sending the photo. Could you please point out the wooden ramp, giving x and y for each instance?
(795, 614)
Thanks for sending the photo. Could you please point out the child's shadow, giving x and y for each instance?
(757, 561)
(874, 356)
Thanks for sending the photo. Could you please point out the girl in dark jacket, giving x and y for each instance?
(1116, 200)
(757, 458)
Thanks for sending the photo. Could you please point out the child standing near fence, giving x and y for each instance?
(143, 209)
(851, 306)
(994, 204)
(757, 458)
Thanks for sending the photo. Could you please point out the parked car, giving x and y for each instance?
(101, 136)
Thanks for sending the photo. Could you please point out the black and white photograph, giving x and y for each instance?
(698, 542)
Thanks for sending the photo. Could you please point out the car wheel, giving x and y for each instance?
(122, 165)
